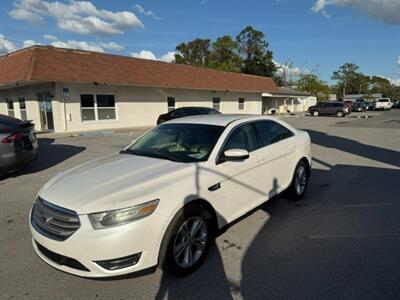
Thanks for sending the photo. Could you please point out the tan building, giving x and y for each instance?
(287, 100)
(71, 90)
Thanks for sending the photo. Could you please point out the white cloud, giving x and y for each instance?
(80, 45)
(77, 16)
(6, 46)
(89, 46)
(387, 11)
(169, 56)
(112, 46)
(146, 54)
(50, 37)
(29, 43)
(147, 13)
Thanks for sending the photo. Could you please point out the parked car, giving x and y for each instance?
(162, 198)
(396, 104)
(370, 105)
(329, 108)
(358, 106)
(185, 112)
(383, 104)
(18, 144)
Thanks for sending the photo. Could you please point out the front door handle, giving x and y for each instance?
(260, 159)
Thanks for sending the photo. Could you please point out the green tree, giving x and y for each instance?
(309, 82)
(257, 59)
(224, 55)
(196, 52)
(346, 78)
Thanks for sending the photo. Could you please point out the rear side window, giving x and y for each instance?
(270, 132)
(337, 104)
(242, 137)
(178, 113)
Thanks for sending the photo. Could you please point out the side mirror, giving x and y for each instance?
(235, 155)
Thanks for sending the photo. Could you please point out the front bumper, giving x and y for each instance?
(88, 245)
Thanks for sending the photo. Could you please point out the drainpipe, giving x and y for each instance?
(65, 108)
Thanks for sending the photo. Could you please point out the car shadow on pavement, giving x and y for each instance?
(341, 241)
(50, 154)
(387, 156)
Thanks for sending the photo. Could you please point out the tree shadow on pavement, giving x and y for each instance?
(387, 156)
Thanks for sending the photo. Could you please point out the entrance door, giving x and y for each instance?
(46, 110)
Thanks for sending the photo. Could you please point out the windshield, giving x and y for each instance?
(178, 142)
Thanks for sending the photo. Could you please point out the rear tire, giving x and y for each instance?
(315, 113)
(187, 240)
(298, 187)
(339, 114)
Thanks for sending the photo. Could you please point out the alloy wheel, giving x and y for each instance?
(300, 180)
(190, 242)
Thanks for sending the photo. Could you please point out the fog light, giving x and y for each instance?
(119, 263)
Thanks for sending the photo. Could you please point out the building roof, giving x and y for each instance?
(46, 63)
(287, 91)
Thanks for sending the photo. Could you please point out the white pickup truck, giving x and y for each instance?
(383, 104)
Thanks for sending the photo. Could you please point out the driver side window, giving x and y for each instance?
(242, 137)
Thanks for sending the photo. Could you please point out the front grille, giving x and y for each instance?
(53, 221)
(61, 259)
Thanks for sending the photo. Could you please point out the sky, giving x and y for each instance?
(318, 35)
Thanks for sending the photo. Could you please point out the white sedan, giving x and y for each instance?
(161, 199)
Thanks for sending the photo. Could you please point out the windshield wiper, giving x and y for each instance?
(150, 154)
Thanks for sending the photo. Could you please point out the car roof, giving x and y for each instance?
(219, 120)
(193, 107)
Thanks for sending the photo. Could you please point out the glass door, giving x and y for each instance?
(46, 110)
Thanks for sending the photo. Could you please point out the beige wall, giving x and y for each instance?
(32, 105)
(135, 106)
(140, 107)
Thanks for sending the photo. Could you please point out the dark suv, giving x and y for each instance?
(329, 108)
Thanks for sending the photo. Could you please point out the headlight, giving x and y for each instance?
(122, 216)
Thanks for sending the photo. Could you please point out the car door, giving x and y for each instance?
(278, 152)
(241, 187)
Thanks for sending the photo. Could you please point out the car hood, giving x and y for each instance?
(112, 182)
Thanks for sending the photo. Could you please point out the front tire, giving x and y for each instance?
(315, 113)
(298, 187)
(188, 238)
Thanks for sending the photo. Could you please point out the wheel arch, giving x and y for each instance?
(204, 205)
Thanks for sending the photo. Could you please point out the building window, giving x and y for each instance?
(216, 103)
(241, 103)
(88, 108)
(105, 107)
(22, 107)
(171, 103)
(10, 107)
(97, 107)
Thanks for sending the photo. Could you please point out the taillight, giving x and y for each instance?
(12, 138)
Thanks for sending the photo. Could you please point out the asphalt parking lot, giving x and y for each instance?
(341, 242)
